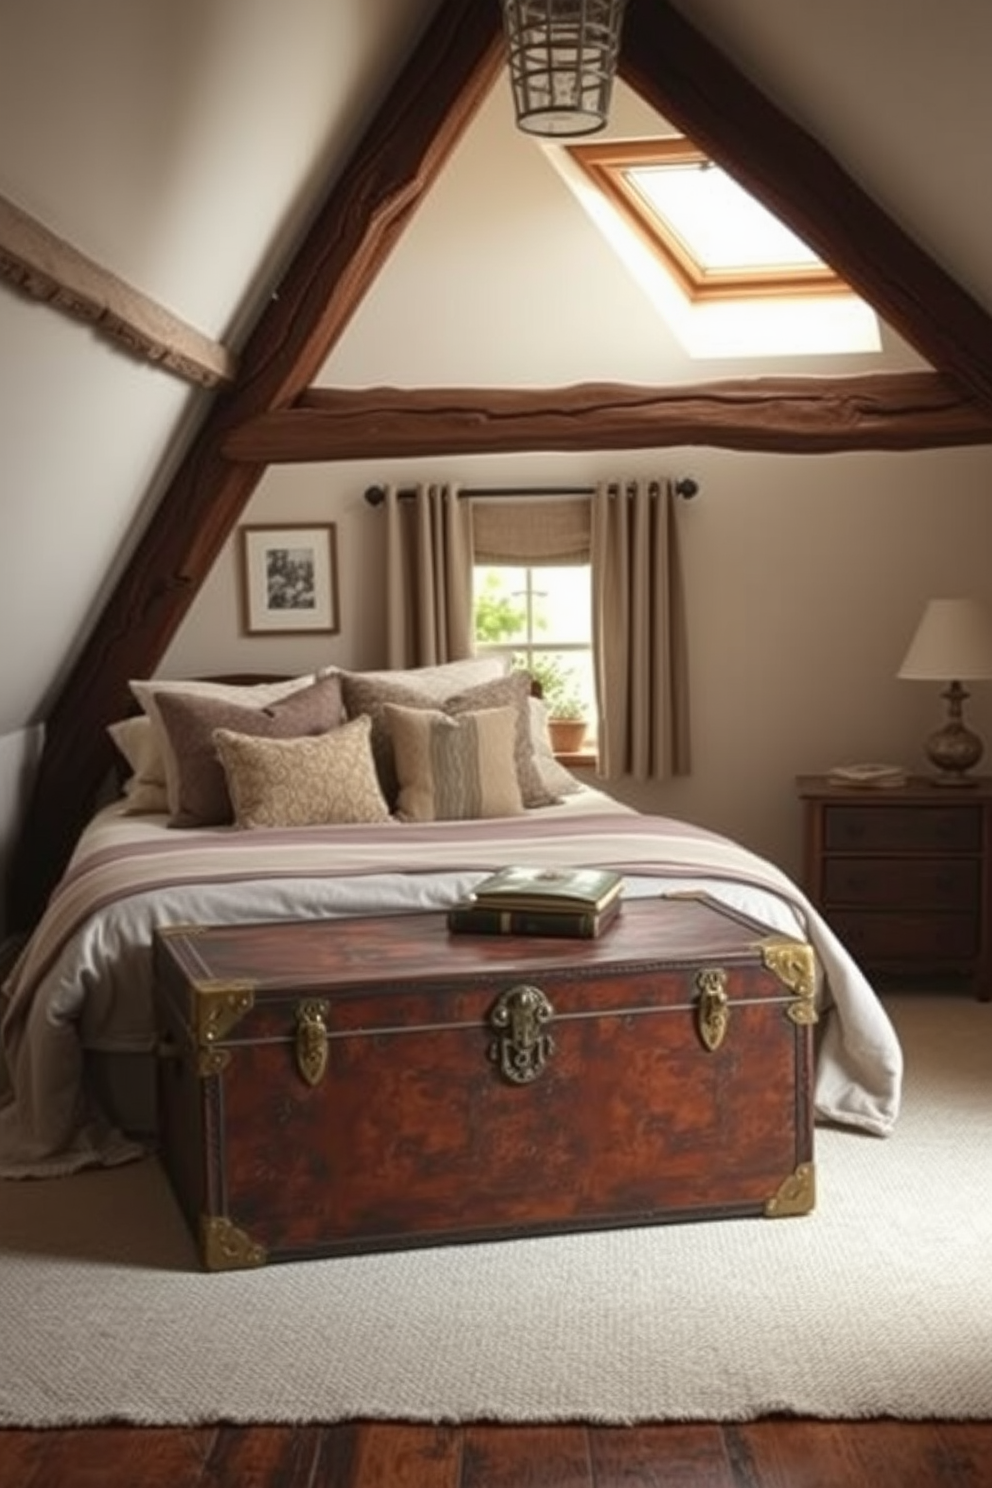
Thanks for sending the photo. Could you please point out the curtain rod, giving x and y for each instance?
(376, 495)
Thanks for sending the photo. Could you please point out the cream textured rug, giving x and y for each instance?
(879, 1303)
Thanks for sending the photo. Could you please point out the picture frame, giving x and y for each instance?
(289, 579)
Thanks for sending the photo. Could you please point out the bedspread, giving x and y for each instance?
(84, 979)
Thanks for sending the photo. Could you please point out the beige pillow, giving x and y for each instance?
(255, 695)
(363, 695)
(306, 782)
(199, 795)
(442, 681)
(455, 768)
(144, 789)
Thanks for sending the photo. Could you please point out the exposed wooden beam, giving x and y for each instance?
(442, 84)
(46, 267)
(688, 80)
(798, 415)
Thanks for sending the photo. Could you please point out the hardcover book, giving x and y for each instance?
(570, 889)
(584, 924)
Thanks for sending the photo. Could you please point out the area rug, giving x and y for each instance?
(877, 1304)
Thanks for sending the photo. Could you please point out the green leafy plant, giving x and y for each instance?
(561, 687)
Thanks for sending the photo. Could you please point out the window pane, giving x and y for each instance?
(563, 601)
(500, 605)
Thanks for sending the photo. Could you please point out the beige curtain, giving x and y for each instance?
(428, 577)
(639, 640)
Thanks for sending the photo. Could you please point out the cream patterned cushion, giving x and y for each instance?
(198, 790)
(362, 695)
(306, 782)
(454, 768)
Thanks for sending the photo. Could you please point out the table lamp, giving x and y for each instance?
(952, 644)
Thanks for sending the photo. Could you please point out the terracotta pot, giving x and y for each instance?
(567, 734)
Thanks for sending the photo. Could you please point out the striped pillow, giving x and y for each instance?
(454, 767)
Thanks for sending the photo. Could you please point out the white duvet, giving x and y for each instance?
(84, 981)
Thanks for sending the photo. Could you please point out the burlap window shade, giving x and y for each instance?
(532, 532)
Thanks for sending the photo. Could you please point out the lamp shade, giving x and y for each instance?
(563, 59)
(953, 642)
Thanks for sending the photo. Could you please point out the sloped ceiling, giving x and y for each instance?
(143, 134)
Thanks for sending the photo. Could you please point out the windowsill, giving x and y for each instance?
(579, 759)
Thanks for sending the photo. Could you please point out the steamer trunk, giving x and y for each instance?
(329, 1087)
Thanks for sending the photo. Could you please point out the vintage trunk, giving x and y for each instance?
(336, 1086)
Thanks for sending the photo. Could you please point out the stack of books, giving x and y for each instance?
(580, 902)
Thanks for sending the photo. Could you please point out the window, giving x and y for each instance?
(540, 617)
(728, 277)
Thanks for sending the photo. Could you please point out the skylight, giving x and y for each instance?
(727, 274)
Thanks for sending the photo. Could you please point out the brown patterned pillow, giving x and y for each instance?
(362, 695)
(455, 768)
(304, 782)
(198, 794)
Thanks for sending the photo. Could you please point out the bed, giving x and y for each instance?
(344, 794)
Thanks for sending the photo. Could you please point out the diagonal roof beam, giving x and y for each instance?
(693, 85)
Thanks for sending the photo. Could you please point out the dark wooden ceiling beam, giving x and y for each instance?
(783, 415)
(693, 85)
(446, 78)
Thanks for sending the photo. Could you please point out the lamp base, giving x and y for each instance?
(954, 749)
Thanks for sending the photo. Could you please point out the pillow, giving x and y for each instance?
(256, 695)
(455, 768)
(198, 795)
(440, 682)
(302, 782)
(362, 695)
(145, 787)
(555, 777)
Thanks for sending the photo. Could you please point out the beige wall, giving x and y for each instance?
(805, 578)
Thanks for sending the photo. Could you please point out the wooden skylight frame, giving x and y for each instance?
(611, 166)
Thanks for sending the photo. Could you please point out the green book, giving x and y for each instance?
(580, 924)
(585, 889)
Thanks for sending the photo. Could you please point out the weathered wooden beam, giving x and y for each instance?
(693, 85)
(798, 415)
(444, 81)
(40, 264)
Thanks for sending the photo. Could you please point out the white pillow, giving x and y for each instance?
(145, 787)
(557, 780)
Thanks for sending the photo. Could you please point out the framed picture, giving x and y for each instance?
(289, 580)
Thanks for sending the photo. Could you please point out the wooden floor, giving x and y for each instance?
(764, 1454)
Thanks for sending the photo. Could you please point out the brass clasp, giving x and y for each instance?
(311, 1041)
(522, 1047)
(713, 1008)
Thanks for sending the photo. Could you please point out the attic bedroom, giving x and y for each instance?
(334, 265)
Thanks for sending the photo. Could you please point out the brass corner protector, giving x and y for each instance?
(794, 963)
(795, 1194)
(218, 1006)
(226, 1248)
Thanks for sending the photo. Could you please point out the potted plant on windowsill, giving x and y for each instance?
(563, 695)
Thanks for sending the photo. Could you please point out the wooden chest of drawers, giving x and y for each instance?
(904, 876)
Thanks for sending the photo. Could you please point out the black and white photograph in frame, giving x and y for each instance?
(289, 581)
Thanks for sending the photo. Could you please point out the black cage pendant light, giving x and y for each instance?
(563, 59)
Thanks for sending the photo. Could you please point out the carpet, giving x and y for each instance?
(878, 1303)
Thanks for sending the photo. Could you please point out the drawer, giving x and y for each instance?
(926, 940)
(904, 883)
(912, 829)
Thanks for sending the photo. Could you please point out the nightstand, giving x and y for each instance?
(904, 876)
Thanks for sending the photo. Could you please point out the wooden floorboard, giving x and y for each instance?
(763, 1454)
